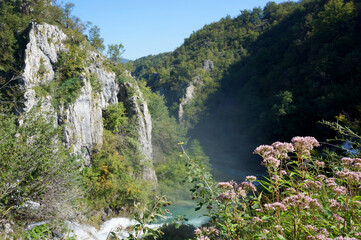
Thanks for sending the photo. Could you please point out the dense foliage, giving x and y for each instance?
(277, 71)
(38, 177)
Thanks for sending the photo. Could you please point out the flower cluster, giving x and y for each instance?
(319, 164)
(301, 201)
(303, 198)
(277, 206)
(318, 234)
(282, 149)
(271, 162)
(308, 184)
(231, 190)
(350, 176)
(205, 232)
(264, 151)
(248, 186)
(334, 204)
(277, 150)
(303, 145)
(251, 178)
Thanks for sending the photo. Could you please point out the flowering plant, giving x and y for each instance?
(303, 197)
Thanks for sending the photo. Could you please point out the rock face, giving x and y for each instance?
(137, 107)
(84, 129)
(208, 65)
(40, 56)
(82, 120)
(190, 93)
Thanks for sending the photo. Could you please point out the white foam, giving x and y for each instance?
(86, 232)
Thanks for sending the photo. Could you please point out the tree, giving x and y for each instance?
(115, 52)
(94, 38)
(67, 14)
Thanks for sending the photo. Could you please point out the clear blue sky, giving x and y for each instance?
(154, 26)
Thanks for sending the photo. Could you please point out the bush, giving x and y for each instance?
(38, 177)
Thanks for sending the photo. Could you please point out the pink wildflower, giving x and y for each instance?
(264, 151)
(276, 178)
(310, 228)
(340, 190)
(334, 204)
(347, 161)
(303, 145)
(251, 178)
(229, 195)
(319, 236)
(210, 230)
(323, 231)
(349, 175)
(275, 206)
(319, 164)
(204, 232)
(281, 149)
(197, 231)
(241, 192)
(203, 238)
(271, 162)
(321, 177)
(256, 220)
(291, 190)
(345, 238)
(248, 186)
(301, 201)
(312, 184)
(357, 166)
(225, 185)
(338, 218)
(357, 160)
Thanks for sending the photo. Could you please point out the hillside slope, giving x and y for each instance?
(276, 73)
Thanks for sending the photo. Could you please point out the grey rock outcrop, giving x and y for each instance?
(40, 55)
(82, 119)
(208, 65)
(190, 92)
(83, 124)
(189, 95)
(84, 129)
(137, 107)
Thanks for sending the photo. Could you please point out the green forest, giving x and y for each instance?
(266, 76)
(277, 71)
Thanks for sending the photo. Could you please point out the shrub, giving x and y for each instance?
(38, 177)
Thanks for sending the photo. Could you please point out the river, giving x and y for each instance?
(185, 208)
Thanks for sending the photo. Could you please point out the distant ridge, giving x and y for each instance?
(124, 60)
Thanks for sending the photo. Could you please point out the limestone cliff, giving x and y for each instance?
(137, 107)
(82, 119)
(191, 89)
